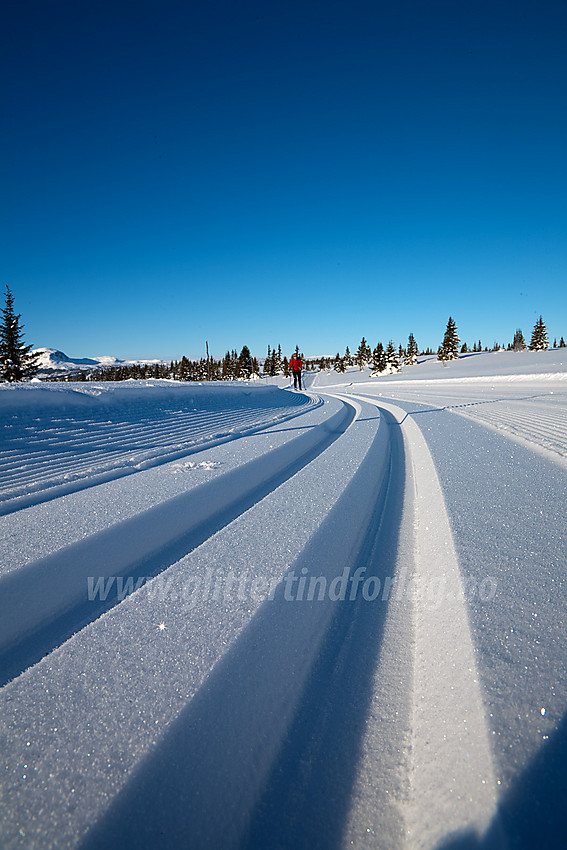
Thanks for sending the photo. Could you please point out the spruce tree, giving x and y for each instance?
(561, 343)
(363, 354)
(449, 350)
(392, 357)
(267, 361)
(339, 364)
(411, 355)
(519, 342)
(245, 363)
(227, 367)
(378, 359)
(17, 363)
(539, 341)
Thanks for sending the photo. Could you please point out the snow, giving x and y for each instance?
(53, 362)
(262, 618)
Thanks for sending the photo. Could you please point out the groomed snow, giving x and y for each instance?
(239, 616)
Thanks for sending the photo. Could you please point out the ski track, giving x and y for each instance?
(529, 421)
(537, 419)
(451, 780)
(178, 710)
(37, 458)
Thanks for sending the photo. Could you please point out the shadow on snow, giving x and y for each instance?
(219, 778)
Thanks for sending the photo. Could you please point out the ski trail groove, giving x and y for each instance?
(219, 685)
(77, 464)
(301, 806)
(43, 603)
(452, 784)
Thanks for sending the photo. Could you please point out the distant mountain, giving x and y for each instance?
(54, 363)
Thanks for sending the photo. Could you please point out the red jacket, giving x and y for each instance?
(295, 364)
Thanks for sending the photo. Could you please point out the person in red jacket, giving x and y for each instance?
(295, 369)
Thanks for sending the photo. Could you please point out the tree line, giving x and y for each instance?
(19, 363)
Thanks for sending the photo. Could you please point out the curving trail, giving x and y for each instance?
(263, 638)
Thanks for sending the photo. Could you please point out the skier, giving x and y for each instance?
(295, 369)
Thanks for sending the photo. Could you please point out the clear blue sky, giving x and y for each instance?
(282, 172)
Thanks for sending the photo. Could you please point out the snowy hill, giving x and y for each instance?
(54, 363)
(498, 365)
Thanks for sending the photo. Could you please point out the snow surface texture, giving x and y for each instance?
(238, 616)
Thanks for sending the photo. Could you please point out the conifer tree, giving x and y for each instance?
(561, 343)
(245, 363)
(271, 364)
(539, 340)
(17, 363)
(339, 364)
(519, 342)
(227, 367)
(449, 350)
(392, 357)
(411, 355)
(378, 359)
(363, 354)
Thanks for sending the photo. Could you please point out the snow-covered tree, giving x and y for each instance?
(539, 341)
(449, 350)
(392, 358)
(378, 359)
(339, 364)
(412, 351)
(363, 354)
(17, 363)
(519, 342)
(244, 368)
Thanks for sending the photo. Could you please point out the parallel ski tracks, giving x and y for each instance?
(451, 779)
(35, 464)
(42, 603)
(448, 789)
(535, 423)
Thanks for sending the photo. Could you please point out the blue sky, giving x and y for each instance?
(282, 173)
